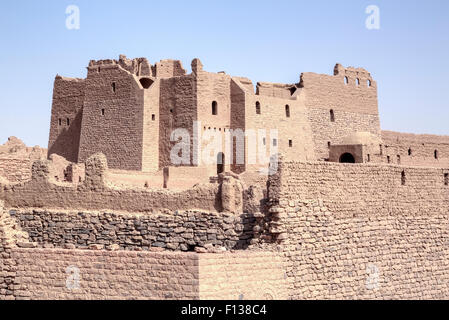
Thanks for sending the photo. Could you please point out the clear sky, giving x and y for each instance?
(271, 41)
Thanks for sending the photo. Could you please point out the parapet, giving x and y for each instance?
(137, 66)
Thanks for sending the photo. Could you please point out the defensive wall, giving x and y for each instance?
(362, 231)
(331, 231)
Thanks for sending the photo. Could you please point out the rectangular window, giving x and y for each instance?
(275, 142)
(290, 143)
(68, 121)
(446, 179)
(153, 117)
(102, 112)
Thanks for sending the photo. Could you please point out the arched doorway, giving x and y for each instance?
(347, 158)
(220, 162)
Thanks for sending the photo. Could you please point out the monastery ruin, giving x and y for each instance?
(305, 198)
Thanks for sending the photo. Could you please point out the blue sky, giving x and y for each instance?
(270, 41)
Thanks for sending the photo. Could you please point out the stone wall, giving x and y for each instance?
(416, 149)
(57, 274)
(179, 231)
(15, 170)
(362, 231)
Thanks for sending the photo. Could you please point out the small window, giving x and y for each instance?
(171, 110)
(290, 143)
(98, 69)
(446, 179)
(368, 83)
(332, 115)
(346, 80)
(275, 142)
(287, 111)
(369, 158)
(399, 159)
(264, 141)
(257, 107)
(409, 152)
(381, 151)
(153, 117)
(329, 144)
(388, 159)
(357, 82)
(403, 178)
(435, 154)
(214, 108)
(60, 121)
(113, 87)
(102, 112)
(68, 121)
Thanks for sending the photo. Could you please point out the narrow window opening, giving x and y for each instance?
(329, 144)
(171, 111)
(257, 107)
(287, 111)
(153, 117)
(290, 143)
(388, 159)
(369, 158)
(435, 154)
(60, 121)
(264, 141)
(346, 80)
(113, 87)
(68, 121)
(381, 149)
(446, 179)
(332, 115)
(357, 81)
(275, 142)
(98, 69)
(403, 178)
(409, 152)
(399, 159)
(368, 83)
(102, 112)
(214, 108)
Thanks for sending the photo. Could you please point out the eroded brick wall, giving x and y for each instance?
(356, 232)
(416, 149)
(15, 170)
(52, 274)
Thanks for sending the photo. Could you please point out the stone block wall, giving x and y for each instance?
(177, 231)
(361, 231)
(15, 170)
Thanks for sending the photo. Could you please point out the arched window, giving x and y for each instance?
(346, 80)
(368, 83)
(332, 115)
(435, 154)
(347, 158)
(214, 108)
(357, 81)
(257, 107)
(287, 111)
